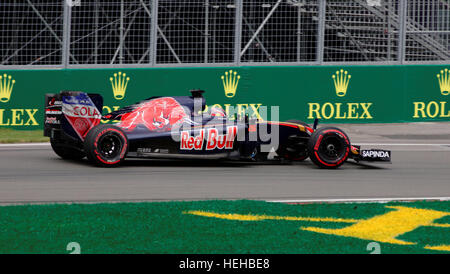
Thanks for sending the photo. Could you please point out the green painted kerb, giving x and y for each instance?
(335, 94)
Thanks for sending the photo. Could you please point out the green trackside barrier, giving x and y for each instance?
(334, 94)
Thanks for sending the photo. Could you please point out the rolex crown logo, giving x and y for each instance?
(341, 80)
(230, 82)
(444, 81)
(119, 84)
(6, 87)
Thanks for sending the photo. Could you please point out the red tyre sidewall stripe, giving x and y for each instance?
(316, 147)
(122, 153)
(340, 133)
(320, 160)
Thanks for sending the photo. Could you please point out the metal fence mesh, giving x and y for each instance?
(110, 32)
(356, 31)
(31, 32)
(71, 33)
(279, 31)
(195, 31)
(428, 30)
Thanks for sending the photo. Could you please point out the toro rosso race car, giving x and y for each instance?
(182, 127)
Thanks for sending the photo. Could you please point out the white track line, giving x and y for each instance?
(25, 145)
(359, 200)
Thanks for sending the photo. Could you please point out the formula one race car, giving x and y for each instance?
(183, 127)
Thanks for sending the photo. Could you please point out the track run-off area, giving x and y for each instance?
(32, 173)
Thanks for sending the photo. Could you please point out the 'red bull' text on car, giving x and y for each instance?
(183, 127)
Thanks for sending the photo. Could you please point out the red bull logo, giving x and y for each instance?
(214, 140)
(156, 115)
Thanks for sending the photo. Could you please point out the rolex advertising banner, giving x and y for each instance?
(334, 94)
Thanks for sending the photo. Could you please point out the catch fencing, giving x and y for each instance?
(159, 33)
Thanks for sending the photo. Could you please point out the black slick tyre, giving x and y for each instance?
(106, 145)
(329, 147)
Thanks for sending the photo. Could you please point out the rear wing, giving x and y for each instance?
(71, 114)
(53, 113)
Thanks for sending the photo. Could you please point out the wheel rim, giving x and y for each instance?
(109, 146)
(332, 148)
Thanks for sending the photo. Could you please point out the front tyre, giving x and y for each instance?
(329, 147)
(106, 145)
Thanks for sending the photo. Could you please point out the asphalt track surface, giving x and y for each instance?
(420, 168)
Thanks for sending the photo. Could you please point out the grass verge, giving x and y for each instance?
(226, 227)
(8, 136)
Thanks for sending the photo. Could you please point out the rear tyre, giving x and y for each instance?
(292, 150)
(66, 152)
(106, 145)
(329, 147)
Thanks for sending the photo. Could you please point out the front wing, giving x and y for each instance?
(371, 155)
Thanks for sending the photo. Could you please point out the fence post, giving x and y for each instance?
(402, 30)
(121, 28)
(66, 34)
(206, 39)
(153, 32)
(321, 31)
(238, 32)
